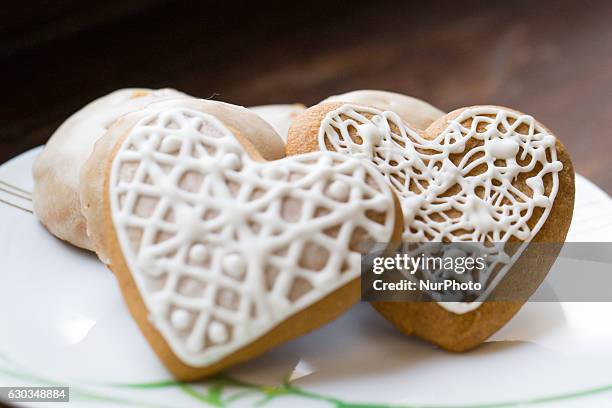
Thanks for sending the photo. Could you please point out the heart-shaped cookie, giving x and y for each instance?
(483, 174)
(221, 255)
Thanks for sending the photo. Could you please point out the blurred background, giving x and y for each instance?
(552, 59)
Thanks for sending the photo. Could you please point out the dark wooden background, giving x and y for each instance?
(552, 59)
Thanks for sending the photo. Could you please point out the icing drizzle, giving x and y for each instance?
(467, 184)
(223, 248)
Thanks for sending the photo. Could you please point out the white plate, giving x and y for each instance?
(63, 321)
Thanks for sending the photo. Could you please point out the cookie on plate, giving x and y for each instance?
(220, 253)
(484, 174)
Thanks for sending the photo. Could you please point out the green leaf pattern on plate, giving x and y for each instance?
(223, 390)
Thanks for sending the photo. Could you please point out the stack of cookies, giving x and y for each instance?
(231, 230)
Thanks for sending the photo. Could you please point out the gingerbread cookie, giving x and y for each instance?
(56, 170)
(418, 113)
(481, 174)
(279, 116)
(219, 253)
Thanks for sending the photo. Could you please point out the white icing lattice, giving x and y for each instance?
(462, 185)
(224, 248)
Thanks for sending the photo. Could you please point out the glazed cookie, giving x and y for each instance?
(418, 113)
(279, 116)
(221, 254)
(56, 170)
(481, 174)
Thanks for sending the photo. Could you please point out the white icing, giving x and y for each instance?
(371, 135)
(501, 148)
(217, 332)
(339, 190)
(232, 233)
(198, 253)
(407, 160)
(180, 319)
(170, 144)
(231, 161)
(234, 265)
(274, 173)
